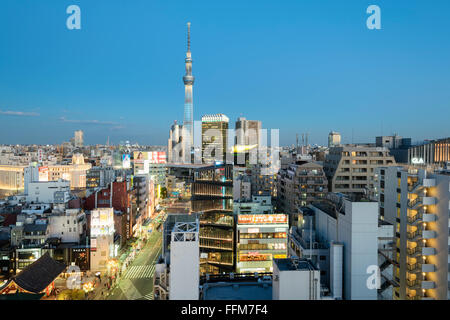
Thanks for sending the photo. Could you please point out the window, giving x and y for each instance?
(322, 258)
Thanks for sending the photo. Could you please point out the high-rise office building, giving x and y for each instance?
(416, 202)
(248, 132)
(398, 146)
(214, 138)
(78, 139)
(431, 152)
(247, 141)
(212, 199)
(334, 139)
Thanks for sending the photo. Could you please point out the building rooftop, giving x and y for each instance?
(383, 223)
(35, 227)
(38, 275)
(294, 264)
(238, 290)
(325, 207)
(306, 211)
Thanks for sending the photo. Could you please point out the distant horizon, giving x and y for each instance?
(121, 143)
(300, 67)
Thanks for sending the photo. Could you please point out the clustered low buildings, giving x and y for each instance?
(323, 232)
(84, 212)
(346, 222)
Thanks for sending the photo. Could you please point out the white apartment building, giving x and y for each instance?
(69, 225)
(354, 225)
(416, 201)
(44, 192)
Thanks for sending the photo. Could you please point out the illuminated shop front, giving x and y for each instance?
(261, 238)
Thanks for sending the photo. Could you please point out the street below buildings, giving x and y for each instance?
(136, 283)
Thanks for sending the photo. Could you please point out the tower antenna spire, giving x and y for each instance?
(189, 37)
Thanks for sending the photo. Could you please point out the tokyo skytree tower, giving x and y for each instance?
(188, 80)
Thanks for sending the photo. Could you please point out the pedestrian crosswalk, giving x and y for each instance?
(147, 296)
(140, 272)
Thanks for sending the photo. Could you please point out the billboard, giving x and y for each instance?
(262, 219)
(140, 156)
(150, 157)
(126, 161)
(43, 173)
(157, 157)
(102, 222)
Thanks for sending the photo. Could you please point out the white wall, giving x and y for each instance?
(357, 230)
(43, 192)
(184, 270)
(66, 226)
(295, 284)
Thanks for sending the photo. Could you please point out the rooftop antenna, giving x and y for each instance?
(189, 37)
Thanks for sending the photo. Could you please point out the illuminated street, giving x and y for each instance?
(137, 281)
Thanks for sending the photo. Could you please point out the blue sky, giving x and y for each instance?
(300, 66)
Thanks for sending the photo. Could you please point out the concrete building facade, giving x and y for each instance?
(350, 168)
(416, 201)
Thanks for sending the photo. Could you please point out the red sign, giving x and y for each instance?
(157, 157)
(262, 218)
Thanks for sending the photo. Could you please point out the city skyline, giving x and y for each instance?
(312, 162)
(302, 60)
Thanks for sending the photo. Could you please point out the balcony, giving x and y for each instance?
(413, 284)
(428, 268)
(429, 217)
(413, 204)
(414, 236)
(414, 252)
(428, 251)
(421, 201)
(429, 183)
(428, 201)
(428, 234)
(414, 268)
(216, 247)
(414, 187)
(428, 285)
(215, 237)
(415, 219)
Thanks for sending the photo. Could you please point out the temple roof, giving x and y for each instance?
(38, 275)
